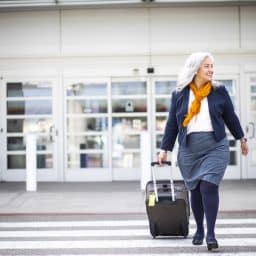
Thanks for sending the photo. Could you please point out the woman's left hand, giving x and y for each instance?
(244, 148)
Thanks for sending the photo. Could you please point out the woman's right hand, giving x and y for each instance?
(162, 157)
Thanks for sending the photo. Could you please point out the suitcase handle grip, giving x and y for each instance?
(169, 163)
(164, 162)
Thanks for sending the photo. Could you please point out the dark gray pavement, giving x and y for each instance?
(106, 198)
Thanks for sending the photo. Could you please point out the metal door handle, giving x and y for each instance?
(52, 133)
(248, 130)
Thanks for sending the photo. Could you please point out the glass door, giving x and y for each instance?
(162, 90)
(129, 118)
(234, 168)
(251, 125)
(87, 130)
(28, 107)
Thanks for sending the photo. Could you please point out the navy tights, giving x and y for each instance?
(205, 200)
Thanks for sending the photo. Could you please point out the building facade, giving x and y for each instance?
(91, 83)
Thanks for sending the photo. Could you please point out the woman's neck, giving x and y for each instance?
(199, 83)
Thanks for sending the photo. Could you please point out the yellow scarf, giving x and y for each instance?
(196, 104)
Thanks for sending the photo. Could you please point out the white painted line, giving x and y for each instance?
(161, 254)
(109, 233)
(93, 244)
(114, 223)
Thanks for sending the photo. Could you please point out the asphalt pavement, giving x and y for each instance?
(107, 198)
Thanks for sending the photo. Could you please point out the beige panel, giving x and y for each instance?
(29, 33)
(248, 27)
(192, 29)
(104, 32)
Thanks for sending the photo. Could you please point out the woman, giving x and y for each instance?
(199, 111)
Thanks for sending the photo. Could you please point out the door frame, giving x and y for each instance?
(51, 174)
(250, 134)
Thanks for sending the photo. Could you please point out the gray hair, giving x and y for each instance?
(190, 68)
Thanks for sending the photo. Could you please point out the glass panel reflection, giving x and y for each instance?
(253, 155)
(29, 124)
(159, 140)
(87, 106)
(87, 124)
(165, 87)
(44, 143)
(129, 105)
(160, 123)
(124, 141)
(86, 160)
(229, 84)
(87, 142)
(129, 88)
(126, 160)
(162, 105)
(253, 88)
(232, 160)
(16, 143)
(253, 103)
(44, 161)
(16, 161)
(87, 89)
(29, 107)
(27, 89)
(121, 125)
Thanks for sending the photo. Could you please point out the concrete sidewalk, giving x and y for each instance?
(106, 198)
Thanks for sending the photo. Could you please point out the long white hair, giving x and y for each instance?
(190, 68)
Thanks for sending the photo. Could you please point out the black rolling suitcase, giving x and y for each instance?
(167, 205)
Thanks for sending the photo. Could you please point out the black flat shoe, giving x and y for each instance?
(197, 240)
(212, 244)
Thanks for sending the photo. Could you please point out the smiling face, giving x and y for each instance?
(205, 72)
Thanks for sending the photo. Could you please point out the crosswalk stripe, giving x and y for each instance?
(176, 254)
(110, 233)
(114, 223)
(163, 243)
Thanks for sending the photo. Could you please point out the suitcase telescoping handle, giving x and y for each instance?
(153, 164)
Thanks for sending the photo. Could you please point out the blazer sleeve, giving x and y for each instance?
(171, 128)
(230, 117)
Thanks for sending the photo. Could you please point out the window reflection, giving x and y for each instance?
(129, 88)
(87, 106)
(86, 160)
(29, 124)
(87, 124)
(87, 89)
(162, 105)
(86, 142)
(164, 87)
(232, 159)
(16, 143)
(29, 107)
(126, 160)
(28, 89)
(129, 105)
(121, 125)
(160, 123)
(253, 103)
(44, 161)
(16, 161)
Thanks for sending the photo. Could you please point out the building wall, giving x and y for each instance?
(130, 31)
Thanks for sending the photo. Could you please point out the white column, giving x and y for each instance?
(31, 168)
(145, 147)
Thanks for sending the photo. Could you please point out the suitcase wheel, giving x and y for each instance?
(184, 230)
(152, 228)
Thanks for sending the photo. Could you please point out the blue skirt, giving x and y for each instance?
(203, 159)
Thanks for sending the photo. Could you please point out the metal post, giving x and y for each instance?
(145, 147)
(31, 181)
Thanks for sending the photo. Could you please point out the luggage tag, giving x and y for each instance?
(152, 200)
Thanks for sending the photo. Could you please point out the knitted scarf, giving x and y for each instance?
(200, 94)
